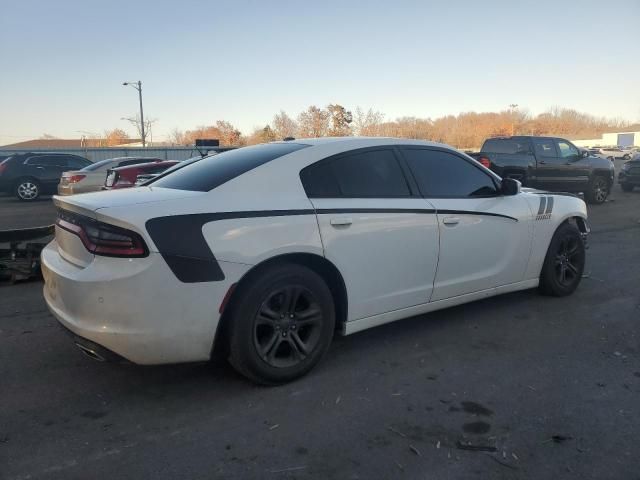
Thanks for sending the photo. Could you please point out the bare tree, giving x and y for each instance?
(117, 136)
(177, 137)
(284, 126)
(313, 122)
(367, 123)
(148, 126)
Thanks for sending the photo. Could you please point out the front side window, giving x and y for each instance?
(544, 148)
(443, 174)
(566, 149)
(367, 174)
(212, 172)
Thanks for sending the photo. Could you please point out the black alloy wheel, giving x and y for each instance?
(287, 328)
(280, 323)
(564, 263)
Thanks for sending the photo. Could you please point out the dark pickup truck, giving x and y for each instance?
(548, 163)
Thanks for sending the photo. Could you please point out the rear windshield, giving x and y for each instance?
(211, 172)
(507, 145)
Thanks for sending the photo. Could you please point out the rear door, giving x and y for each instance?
(46, 168)
(375, 229)
(485, 237)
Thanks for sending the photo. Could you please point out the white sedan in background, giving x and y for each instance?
(265, 251)
(91, 178)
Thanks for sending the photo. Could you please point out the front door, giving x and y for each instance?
(379, 233)
(485, 237)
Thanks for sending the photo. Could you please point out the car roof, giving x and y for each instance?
(358, 142)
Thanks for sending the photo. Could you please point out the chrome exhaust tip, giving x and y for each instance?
(90, 353)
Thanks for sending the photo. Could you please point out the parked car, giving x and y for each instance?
(614, 153)
(147, 178)
(91, 178)
(125, 177)
(629, 175)
(29, 175)
(548, 163)
(264, 252)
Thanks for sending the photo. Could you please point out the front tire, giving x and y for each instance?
(27, 189)
(281, 325)
(598, 190)
(564, 263)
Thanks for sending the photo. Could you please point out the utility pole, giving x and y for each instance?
(512, 107)
(138, 86)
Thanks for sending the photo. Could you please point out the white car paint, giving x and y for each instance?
(394, 264)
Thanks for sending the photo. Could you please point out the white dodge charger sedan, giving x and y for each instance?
(264, 252)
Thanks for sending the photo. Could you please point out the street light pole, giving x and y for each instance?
(138, 86)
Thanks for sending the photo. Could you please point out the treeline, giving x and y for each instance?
(466, 130)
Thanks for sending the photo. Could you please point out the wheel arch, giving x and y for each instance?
(319, 264)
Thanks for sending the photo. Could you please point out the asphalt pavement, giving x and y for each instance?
(514, 387)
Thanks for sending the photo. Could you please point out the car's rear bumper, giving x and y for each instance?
(73, 189)
(135, 307)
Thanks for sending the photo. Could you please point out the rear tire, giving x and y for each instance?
(627, 157)
(281, 325)
(598, 190)
(27, 189)
(626, 187)
(564, 263)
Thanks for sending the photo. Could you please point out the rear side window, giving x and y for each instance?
(545, 147)
(45, 161)
(443, 174)
(77, 162)
(512, 146)
(97, 165)
(373, 173)
(212, 172)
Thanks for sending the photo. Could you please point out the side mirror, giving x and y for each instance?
(510, 187)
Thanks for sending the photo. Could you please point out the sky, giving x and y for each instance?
(62, 62)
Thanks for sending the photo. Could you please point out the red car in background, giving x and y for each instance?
(125, 177)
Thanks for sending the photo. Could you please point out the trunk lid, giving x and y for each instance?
(71, 247)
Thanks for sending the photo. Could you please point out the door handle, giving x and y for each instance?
(542, 162)
(451, 220)
(336, 222)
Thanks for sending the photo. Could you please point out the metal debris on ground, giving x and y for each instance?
(475, 448)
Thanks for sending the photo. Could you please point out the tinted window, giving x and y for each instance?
(318, 181)
(566, 149)
(211, 172)
(97, 165)
(443, 174)
(45, 161)
(77, 162)
(544, 148)
(374, 173)
(507, 145)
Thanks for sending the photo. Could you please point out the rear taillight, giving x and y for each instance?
(485, 162)
(101, 238)
(76, 178)
(3, 167)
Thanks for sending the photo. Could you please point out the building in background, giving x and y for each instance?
(622, 139)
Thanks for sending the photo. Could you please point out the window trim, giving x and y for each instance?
(497, 181)
(409, 181)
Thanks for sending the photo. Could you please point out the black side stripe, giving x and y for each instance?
(543, 204)
(549, 205)
(180, 241)
(471, 212)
